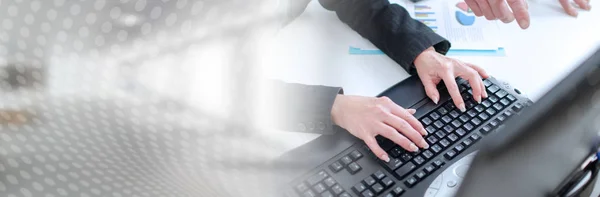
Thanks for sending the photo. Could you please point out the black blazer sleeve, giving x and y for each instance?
(389, 27)
(302, 108)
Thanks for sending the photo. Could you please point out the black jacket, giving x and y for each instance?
(306, 108)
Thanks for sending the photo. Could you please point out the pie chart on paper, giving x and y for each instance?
(464, 15)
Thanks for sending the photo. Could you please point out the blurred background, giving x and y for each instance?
(134, 97)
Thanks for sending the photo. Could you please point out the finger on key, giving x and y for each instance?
(400, 139)
(409, 118)
(376, 149)
(483, 74)
(430, 89)
(400, 125)
(412, 111)
(519, 8)
(450, 82)
(475, 82)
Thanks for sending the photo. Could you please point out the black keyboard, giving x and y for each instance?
(450, 133)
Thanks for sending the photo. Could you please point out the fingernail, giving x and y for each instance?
(424, 144)
(424, 132)
(435, 100)
(385, 158)
(524, 23)
(462, 107)
(412, 111)
(413, 147)
(478, 99)
(485, 95)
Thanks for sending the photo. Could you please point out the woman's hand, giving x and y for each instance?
(367, 117)
(433, 67)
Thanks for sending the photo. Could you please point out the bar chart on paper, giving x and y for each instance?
(427, 15)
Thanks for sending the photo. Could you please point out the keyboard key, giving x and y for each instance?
(444, 143)
(406, 157)
(326, 194)
(442, 111)
(505, 102)
(472, 113)
(461, 88)
(319, 188)
(419, 160)
(479, 108)
(498, 106)
(517, 107)
(446, 119)
(346, 160)
(398, 191)
(369, 181)
(501, 93)
(420, 175)
(429, 169)
(411, 182)
(394, 163)
(301, 187)
(486, 129)
(378, 175)
(475, 121)
(490, 111)
(438, 163)
(434, 116)
(452, 137)
(368, 193)
(464, 118)
(344, 195)
(405, 170)
(468, 126)
(396, 152)
(431, 139)
(436, 148)
(492, 89)
(359, 187)
(314, 179)
(448, 129)
(511, 97)
(487, 83)
(460, 132)
(427, 154)
(475, 137)
(426, 121)
(430, 129)
(501, 118)
(467, 142)
(355, 155)
(449, 106)
(456, 123)
(309, 193)
(493, 98)
(454, 113)
(508, 113)
(459, 148)
(377, 188)
(329, 182)
(336, 166)
(494, 123)
(353, 168)
(337, 190)
(483, 116)
(438, 124)
(440, 134)
(384, 143)
(387, 182)
(470, 104)
(486, 104)
(450, 154)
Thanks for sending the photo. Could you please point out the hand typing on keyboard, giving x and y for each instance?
(434, 67)
(367, 117)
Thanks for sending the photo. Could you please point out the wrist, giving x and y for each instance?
(336, 109)
(426, 54)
